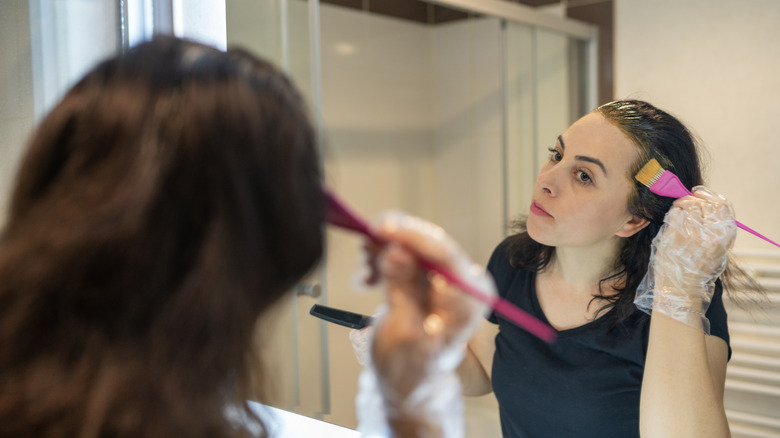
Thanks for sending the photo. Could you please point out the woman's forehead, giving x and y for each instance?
(595, 136)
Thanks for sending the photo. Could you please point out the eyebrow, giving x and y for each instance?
(595, 161)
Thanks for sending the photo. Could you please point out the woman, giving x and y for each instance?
(163, 206)
(577, 264)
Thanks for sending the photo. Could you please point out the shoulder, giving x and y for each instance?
(504, 252)
(500, 263)
(501, 254)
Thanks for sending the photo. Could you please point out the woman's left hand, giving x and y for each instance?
(410, 385)
(427, 321)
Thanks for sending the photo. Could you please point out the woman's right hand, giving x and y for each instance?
(361, 344)
(420, 338)
(689, 253)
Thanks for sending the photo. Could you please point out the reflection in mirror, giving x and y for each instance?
(425, 108)
(419, 116)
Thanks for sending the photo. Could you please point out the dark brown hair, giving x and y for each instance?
(659, 135)
(169, 199)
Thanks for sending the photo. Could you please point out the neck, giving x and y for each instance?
(582, 268)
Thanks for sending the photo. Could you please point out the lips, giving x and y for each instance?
(538, 210)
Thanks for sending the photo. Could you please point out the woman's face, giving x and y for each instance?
(581, 193)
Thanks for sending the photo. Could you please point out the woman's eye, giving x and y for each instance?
(555, 155)
(583, 176)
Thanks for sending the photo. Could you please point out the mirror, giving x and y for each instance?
(438, 111)
(444, 112)
(441, 112)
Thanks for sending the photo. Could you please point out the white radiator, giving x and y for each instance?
(752, 396)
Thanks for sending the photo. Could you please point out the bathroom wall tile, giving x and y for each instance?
(467, 77)
(376, 70)
(469, 190)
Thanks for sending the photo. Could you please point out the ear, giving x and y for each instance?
(632, 226)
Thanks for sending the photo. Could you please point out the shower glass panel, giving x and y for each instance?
(546, 88)
(521, 160)
(284, 32)
(442, 112)
(444, 119)
(45, 47)
(378, 152)
(412, 121)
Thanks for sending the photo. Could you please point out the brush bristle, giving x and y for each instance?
(649, 173)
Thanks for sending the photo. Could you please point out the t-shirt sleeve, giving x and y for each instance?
(718, 317)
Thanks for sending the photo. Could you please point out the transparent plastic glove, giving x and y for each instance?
(689, 253)
(410, 385)
(361, 344)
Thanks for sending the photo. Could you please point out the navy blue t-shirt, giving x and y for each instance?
(586, 383)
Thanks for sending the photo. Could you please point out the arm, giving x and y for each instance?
(685, 369)
(682, 389)
(475, 369)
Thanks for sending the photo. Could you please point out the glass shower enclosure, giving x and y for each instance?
(446, 119)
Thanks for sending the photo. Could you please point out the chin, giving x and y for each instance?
(536, 234)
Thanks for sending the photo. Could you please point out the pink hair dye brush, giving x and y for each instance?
(339, 215)
(665, 183)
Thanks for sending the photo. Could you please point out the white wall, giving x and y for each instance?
(715, 65)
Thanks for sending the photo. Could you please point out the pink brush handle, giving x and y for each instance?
(756, 233)
(498, 304)
(670, 186)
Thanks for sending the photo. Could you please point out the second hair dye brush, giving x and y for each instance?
(664, 183)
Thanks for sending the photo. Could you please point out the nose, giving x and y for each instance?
(546, 181)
